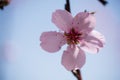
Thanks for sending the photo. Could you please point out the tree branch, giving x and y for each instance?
(67, 6)
(77, 74)
(104, 2)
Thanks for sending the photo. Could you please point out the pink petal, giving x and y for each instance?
(62, 19)
(84, 22)
(93, 42)
(52, 41)
(73, 58)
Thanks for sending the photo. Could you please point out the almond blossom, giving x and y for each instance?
(77, 32)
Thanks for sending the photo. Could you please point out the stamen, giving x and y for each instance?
(73, 36)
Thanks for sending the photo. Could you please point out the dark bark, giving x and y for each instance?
(104, 2)
(77, 74)
(67, 6)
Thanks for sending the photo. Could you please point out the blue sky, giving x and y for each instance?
(23, 21)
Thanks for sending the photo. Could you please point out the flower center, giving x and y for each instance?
(73, 37)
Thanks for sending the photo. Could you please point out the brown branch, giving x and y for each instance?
(77, 74)
(104, 2)
(67, 6)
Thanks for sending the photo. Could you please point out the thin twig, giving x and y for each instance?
(104, 2)
(67, 6)
(77, 74)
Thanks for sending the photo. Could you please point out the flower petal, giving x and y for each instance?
(62, 19)
(93, 42)
(84, 22)
(52, 41)
(73, 58)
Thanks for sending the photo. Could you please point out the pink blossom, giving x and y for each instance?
(77, 32)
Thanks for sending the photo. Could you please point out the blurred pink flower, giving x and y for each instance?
(77, 32)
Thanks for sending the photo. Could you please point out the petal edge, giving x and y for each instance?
(62, 19)
(52, 41)
(73, 58)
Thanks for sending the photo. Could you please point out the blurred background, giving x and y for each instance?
(21, 57)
